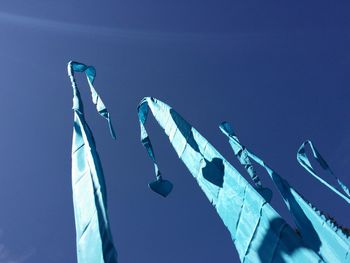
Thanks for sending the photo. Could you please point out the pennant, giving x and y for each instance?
(93, 236)
(319, 232)
(258, 231)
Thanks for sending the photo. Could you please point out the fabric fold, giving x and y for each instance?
(317, 231)
(93, 235)
(259, 233)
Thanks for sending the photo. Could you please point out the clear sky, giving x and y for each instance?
(278, 71)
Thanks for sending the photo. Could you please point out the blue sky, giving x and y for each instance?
(277, 71)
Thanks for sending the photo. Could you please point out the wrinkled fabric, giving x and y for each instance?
(93, 236)
(317, 231)
(242, 154)
(257, 230)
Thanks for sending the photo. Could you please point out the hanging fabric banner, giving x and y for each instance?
(317, 231)
(93, 236)
(257, 230)
(242, 154)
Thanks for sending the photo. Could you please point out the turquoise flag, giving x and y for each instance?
(93, 236)
(257, 230)
(317, 231)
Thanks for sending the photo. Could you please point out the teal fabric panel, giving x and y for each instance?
(257, 230)
(93, 236)
(317, 231)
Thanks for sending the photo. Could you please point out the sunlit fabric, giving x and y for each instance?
(317, 231)
(243, 156)
(257, 230)
(93, 236)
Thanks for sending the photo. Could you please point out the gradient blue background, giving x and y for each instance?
(277, 70)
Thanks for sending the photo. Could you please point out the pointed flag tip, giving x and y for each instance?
(162, 187)
(226, 128)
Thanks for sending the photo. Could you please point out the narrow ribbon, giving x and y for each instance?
(160, 186)
(241, 152)
(90, 73)
(243, 156)
(305, 162)
(93, 236)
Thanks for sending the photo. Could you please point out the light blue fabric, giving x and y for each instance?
(242, 154)
(257, 230)
(317, 231)
(93, 236)
(304, 161)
